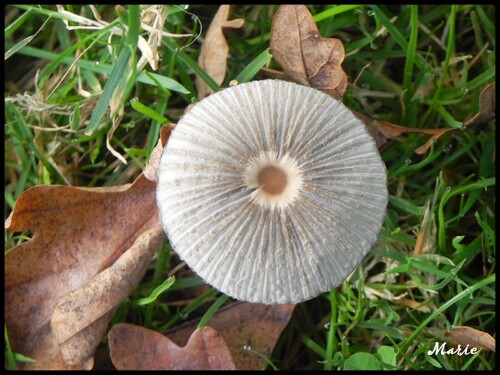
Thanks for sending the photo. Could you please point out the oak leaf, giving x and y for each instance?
(304, 55)
(77, 234)
(245, 327)
(214, 50)
(137, 348)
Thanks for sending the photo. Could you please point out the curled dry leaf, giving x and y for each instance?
(214, 50)
(244, 325)
(463, 335)
(137, 348)
(304, 55)
(77, 233)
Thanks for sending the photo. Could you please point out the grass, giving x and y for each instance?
(419, 66)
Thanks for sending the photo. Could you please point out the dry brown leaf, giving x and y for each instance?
(137, 348)
(463, 335)
(77, 233)
(81, 317)
(487, 106)
(382, 131)
(244, 325)
(304, 55)
(214, 50)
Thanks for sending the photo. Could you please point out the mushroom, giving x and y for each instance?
(272, 192)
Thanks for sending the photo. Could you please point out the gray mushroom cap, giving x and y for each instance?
(272, 192)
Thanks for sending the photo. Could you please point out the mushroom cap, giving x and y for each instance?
(272, 192)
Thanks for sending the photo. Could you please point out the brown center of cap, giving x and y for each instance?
(272, 180)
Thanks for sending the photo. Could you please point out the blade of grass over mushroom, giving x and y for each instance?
(156, 293)
(112, 83)
(254, 67)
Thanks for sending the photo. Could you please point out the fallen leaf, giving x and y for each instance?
(137, 348)
(77, 234)
(382, 131)
(214, 50)
(81, 317)
(487, 106)
(463, 335)
(304, 55)
(244, 326)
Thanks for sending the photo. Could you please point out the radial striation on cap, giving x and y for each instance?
(271, 191)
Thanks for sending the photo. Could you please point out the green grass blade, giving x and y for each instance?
(396, 34)
(103, 68)
(134, 25)
(60, 58)
(155, 293)
(9, 30)
(74, 119)
(24, 42)
(112, 83)
(331, 341)
(450, 49)
(9, 354)
(212, 310)
(441, 309)
(339, 9)
(253, 68)
(193, 65)
(151, 113)
(412, 48)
